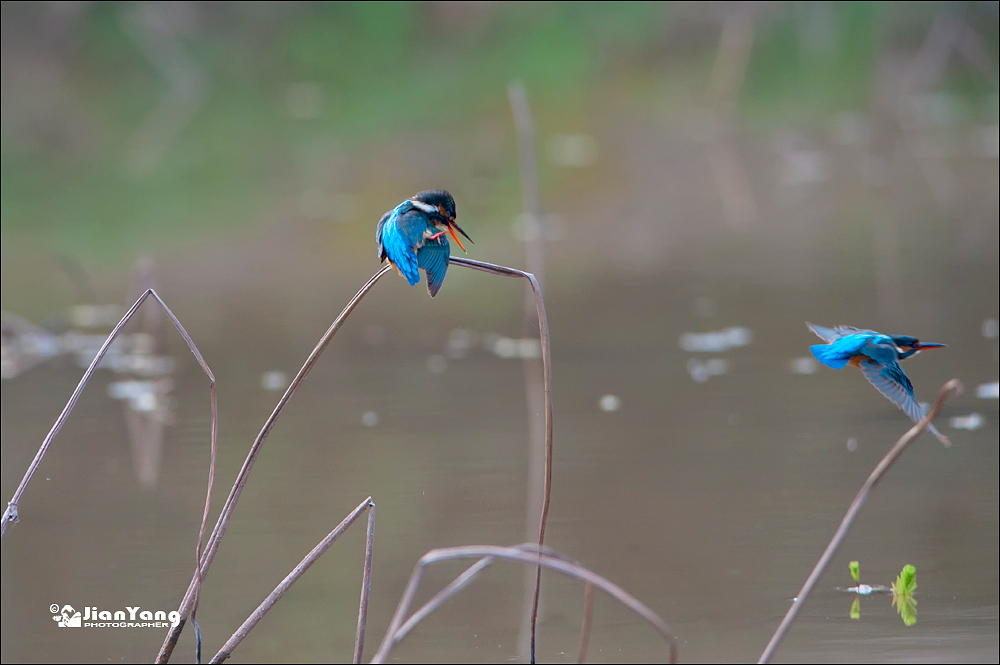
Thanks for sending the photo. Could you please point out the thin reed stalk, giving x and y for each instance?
(525, 554)
(543, 334)
(366, 587)
(10, 515)
(265, 606)
(953, 386)
(588, 618)
(190, 596)
(454, 587)
(534, 260)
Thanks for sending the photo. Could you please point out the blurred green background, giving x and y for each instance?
(136, 128)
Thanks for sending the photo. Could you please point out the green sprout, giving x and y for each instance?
(856, 608)
(855, 567)
(902, 594)
(906, 583)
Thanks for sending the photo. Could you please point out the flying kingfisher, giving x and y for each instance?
(877, 356)
(412, 236)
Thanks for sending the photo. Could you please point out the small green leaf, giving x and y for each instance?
(902, 594)
(855, 567)
(856, 608)
(906, 582)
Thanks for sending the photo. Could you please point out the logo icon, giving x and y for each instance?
(67, 617)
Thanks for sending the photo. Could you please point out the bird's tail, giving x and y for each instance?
(830, 355)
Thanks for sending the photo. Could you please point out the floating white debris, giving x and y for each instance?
(991, 329)
(852, 444)
(804, 365)
(529, 348)
(369, 419)
(136, 363)
(973, 421)
(24, 345)
(459, 343)
(573, 150)
(703, 371)
(506, 347)
(127, 389)
(274, 380)
(609, 403)
(141, 395)
(436, 364)
(718, 341)
(862, 589)
(988, 390)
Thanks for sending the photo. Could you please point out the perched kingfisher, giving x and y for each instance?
(877, 356)
(412, 236)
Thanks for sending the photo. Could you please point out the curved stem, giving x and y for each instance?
(526, 554)
(876, 475)
(187, 603)
(543, 334)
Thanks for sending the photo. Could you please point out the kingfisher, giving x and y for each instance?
(878, 357)
(412, 236)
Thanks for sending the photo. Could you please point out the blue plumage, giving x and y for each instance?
(878, 357)
(411, 236)
(838, 353)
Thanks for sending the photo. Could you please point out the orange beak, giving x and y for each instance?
(451, 229)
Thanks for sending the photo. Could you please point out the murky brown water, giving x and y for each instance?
(707, 484)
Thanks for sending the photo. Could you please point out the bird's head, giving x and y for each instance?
(909, 346)
(440, 207)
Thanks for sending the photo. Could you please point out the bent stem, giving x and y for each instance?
(10, 513)
(227, 649)
(534, 262)
(953, 386)
(526, 554)
(188, 602)
(543, 334)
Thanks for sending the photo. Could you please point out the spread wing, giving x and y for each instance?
(890, 380)
(433, 258)
(836, 332)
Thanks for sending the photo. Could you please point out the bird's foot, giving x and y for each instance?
(437, 236)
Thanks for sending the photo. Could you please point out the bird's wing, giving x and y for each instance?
(839, 351)
(433, 258)
(394, 243)
(834, 333)
(890, 380)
